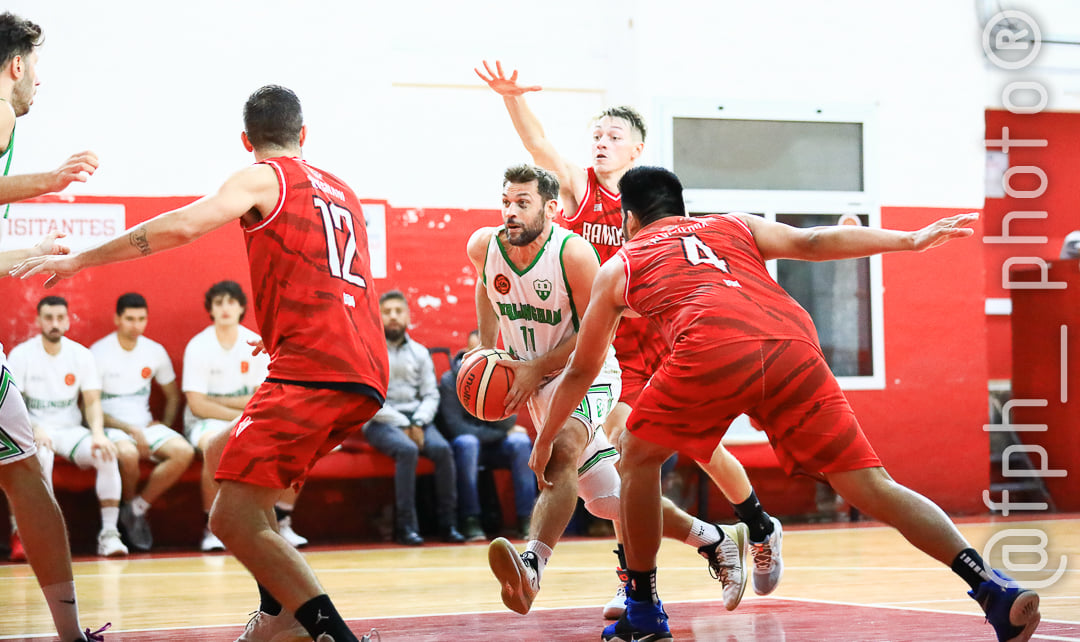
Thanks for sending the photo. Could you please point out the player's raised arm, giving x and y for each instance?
(833, 242)
(251, 190)
(572, 178)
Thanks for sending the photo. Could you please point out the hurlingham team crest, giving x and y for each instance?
(543, 288)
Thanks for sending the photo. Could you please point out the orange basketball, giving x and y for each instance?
(482, 384)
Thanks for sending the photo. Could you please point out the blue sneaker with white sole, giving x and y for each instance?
(1011, 610)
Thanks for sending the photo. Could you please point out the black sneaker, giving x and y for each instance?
(451, 535)
(471, 529)
(136, 528)
(1011, 610)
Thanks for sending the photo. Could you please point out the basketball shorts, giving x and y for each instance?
(67, 439)
(156, 436)
(16, 435)
(597, 477)
(196, 430)
(286, 428)
(784, 385)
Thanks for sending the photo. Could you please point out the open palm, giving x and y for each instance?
(502, 85)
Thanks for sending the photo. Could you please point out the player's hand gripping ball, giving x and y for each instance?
(482, 384)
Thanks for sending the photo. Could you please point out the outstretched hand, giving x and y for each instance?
(944, 230)
(78, 167)
(502, 85)
(48, 245)
(55, 267)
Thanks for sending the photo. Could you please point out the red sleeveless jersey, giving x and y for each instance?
(704, 280)
(598, 218)
(314, 297)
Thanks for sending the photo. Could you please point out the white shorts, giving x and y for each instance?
(67, 439)
(16, 434)
(156, 436)
(597, 477)
(200, 427)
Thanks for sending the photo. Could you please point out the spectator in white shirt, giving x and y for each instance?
(128, 362)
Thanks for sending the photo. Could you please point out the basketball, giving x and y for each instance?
(482, 384)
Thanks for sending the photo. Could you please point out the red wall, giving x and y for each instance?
(931, 411)
(1060, 160)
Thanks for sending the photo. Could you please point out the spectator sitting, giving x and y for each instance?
(403, 427)
(495, 444)
(52, 371)
(127, 361)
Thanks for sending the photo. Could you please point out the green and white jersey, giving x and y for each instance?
(534, 305)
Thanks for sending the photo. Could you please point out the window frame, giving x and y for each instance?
(769, 203)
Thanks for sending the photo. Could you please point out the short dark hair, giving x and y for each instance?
(130, 300)
(393, 294)
(273, 118)
(547, 184)
(629, 114)
(51, 300)
(652, 193)
(230, 288)
(18, 37)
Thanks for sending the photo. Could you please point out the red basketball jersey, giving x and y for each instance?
(598, 218)
(314, 297)
(705, 279)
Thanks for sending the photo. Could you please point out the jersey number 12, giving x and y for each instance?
(335, 217)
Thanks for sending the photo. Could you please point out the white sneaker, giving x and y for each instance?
(283, 627)
(285, 530)
(727, 562)
(109, 543)
(768, 564)
(516, 574)
(614, 609)
(210, 542)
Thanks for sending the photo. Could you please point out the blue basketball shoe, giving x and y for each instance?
(1011, 610)
(642, 622)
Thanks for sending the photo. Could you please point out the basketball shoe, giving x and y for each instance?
(210, 542)
(615, 608)
(283, 627)
(109, 543)
(727, 562)
(643, 622)
(285, 529)
(516, 574)
(96, 636)
(18, 554)
(1011, 610)
(768, 564)
(136, 527)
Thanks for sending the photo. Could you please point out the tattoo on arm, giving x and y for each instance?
(139, 240)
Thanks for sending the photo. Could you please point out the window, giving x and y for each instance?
(803, 165)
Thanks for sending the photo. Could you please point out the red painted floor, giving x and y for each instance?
(761, 620)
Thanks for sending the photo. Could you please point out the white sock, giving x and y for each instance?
(702, 533)
(139, 506)
(109, 515)
(65, 612)
(543, 554)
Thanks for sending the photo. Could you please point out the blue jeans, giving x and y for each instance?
(512, 452)
(392, 441)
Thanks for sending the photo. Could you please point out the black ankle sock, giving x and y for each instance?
(267, 603)
(319, 616)
(755, 518)
(621, 552)
(969, 565)
(280, 513)
(642, 586)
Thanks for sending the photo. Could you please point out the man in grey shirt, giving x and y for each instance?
(404, 428)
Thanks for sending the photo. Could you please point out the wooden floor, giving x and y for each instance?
(848, 582)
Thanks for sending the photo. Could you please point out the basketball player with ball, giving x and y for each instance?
(534, 280)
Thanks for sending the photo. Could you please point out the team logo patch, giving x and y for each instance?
(69, 379)
(244, 367)
(502, 284)
(146, 372)
(543, 288)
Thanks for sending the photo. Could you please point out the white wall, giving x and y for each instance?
(393, 105)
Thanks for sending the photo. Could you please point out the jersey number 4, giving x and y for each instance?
(337, 218)
(697, 253)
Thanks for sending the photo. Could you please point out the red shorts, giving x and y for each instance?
(783, 385)
(286, 428)
(639, 349)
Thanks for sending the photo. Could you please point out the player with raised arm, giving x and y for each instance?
(740, 344)
(533, 279)
(592, 208)
(319, 321)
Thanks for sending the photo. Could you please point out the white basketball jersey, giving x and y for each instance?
(125, 377)
(217, 372)
(51, 384)
(534, 305)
